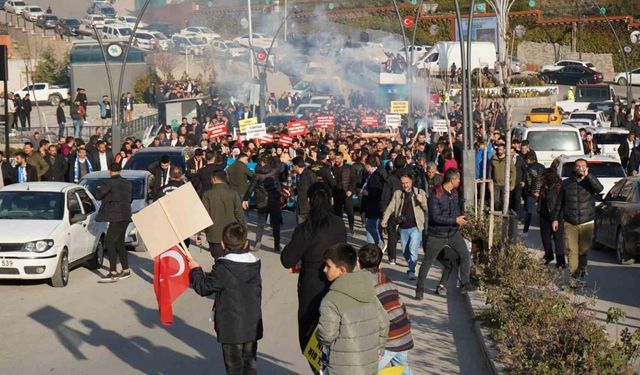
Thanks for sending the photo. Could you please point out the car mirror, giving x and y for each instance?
(77, 217)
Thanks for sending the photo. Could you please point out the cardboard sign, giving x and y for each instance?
(297, 128)
(440, 126)
(395, 370)
(217, 130)
(399, 107)
(325, 122)
(171, 219)
(313, 352)
(285, 140)
(265, 138)
(246, 122)
(255, 131)
(393, 121)
(370, 121)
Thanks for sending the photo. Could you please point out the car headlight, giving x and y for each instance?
(38, 246)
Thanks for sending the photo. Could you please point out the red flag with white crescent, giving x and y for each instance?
(170, 280)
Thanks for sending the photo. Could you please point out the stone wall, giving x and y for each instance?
(28, 40)
(536, 54)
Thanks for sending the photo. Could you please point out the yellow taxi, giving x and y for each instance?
(545, 115)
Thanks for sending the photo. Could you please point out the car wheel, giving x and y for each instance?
(582, 81)
(545, 78)
(97, 260)
(621, 253)
(61, 276)
(54, 100)
(622, 82)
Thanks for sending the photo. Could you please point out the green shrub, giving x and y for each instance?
(142, 84)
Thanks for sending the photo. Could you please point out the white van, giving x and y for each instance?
(151, 40)
(115, 31)
(550, 141)
(439, 59)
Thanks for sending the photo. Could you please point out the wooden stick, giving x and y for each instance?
(185, 248)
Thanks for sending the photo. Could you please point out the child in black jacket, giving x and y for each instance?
(235, 278)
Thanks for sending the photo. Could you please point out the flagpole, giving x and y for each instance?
(185, 248)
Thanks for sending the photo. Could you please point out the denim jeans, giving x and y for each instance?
(77, 128)
(411, 240)
(395, 359)
(372, 227)
(61, 129)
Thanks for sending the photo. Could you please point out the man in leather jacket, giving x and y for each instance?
(576, 203)
(345, 187)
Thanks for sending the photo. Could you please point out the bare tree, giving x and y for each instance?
(165, 63)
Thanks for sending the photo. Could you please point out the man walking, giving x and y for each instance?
(306, 178)
(128, 108)
(61, 119)
(496, 172)
(115, 195)
(576, 203)
(27, 108)
(343, 192)
(238, 176)
(445, 219)
(371, 194)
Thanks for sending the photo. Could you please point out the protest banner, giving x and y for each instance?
(217, 130)
(440, 126)
(296, 128)
(265, 138)
(400, 107)
(285, 141)
(246, 122)
(369, 121)
(325, 122)
(255, 130)
(393, 121)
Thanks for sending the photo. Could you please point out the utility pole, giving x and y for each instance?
(285, 20)
(4, 53)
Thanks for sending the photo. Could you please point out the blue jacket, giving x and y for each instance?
(479, 155)
(444, 208)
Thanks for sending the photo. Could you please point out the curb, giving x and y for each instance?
(476, 301)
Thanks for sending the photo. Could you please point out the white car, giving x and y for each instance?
(598, 117)
(189, 45)
(550, 141)
(47, 228)
(259, 40)
(607, 169)
(151, 40)
(228, 49)
(202, 32)
(15, 6)
(579, 123)
(91, 20)
(130, 21)
(562, 63)
(32, 12)
(609, 139)
(625, 77)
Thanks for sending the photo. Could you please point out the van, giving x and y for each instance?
(550, 141)
(115, 31)
(103, 9)
(438, 60)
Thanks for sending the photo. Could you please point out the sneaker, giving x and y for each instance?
(108, 278)
(412, 276)
(441, 290)
(467, 288)
(123, 275)
(392, 262)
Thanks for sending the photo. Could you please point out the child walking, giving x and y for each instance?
(235, 278)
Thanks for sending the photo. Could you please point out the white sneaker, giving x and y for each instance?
(393, 262)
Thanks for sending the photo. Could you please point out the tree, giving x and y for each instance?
(51, 70)
(165, 63)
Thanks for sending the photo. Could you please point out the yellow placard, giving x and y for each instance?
(395, 370)
(313, 352)
(246, 122)
(400, 107)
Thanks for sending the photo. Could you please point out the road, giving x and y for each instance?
(114, 328)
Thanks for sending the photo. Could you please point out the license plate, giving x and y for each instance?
(6, 263)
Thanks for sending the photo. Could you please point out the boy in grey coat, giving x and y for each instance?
(353, 324)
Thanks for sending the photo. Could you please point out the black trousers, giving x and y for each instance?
(276, 220)
(240, 359)
(23, 119)
(342, 203)
(515, 199)
(434, 246)
(393, 235)
(553, 241)
(114, 242)
(216, 250)
(498, 192)
(28, 118)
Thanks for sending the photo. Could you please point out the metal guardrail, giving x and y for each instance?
(137, 127)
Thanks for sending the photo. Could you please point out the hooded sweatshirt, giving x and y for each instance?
(235, 278)
(353, 325)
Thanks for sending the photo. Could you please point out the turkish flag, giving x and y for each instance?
(170, 280)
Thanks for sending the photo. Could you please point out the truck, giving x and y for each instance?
(438, 61)
(586, 94)
(44, 92)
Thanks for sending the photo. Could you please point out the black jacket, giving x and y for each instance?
(533, 179)
(373, 185)
(238, 175)
(323, 174)
(391, 184)
(32, 174)
(95, 160)
(306, 179)
(192, 168)
(634, 161)
(116, 196)
(444, 208)
(235, 278)
(549, 193)
(344, 178)
(168, 188)
(521, 169)
(308, 246)
(58, 168)
(265, 186)
(577, 200)
(202, 181)
(8, 173)
(60, 117)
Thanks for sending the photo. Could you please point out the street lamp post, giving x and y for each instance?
(114, 124)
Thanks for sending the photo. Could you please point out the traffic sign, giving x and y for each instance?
(399, 107)
(331, 6)
(407, 21)
(440, 126)
(393, 121)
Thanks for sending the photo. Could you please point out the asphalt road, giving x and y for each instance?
(114, 328)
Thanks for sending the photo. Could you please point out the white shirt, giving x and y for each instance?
(103, 161)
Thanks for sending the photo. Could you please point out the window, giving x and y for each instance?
(609, 138)
(542, 110)
(73, 204)
(87, 203)
(599, 169)
(39, 87)
(554, 140)
(20, 205)
(615, 190)
(433, 58)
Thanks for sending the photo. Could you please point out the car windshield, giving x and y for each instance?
(31, 205)
(98, 18)
(196, 41)
(72, 23)
(160, 36)
(19, 3)
(35, 9)
(556, 140)
(542, 110)
(602, 169)
(142, 161)
(125, 31)
(609, 138)
(588, 116)
(302, 85)
(137, 185)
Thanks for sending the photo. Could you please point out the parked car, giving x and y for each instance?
(117, 32)
(572, 75)
(598, 117)
(141, 185)
(32, 12)
(42, 92)
(623, 78)
(228, 49)
(91, 20)
(151, 40)
(259, 40)
(564, 63)
(542, 115)
(189, 45)
(204, 33)
(15, 6)
(130, 21)
(550, 141)
(47, 228)
(69, 26)
(609, 139)
(167, 29)
(605, 106)
(147, 159)
(580, 123)
(103, 9)
(608, 170)
(586, 94)
(617, 223)
(48, 21)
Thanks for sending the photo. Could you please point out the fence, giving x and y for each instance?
(137, 127)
